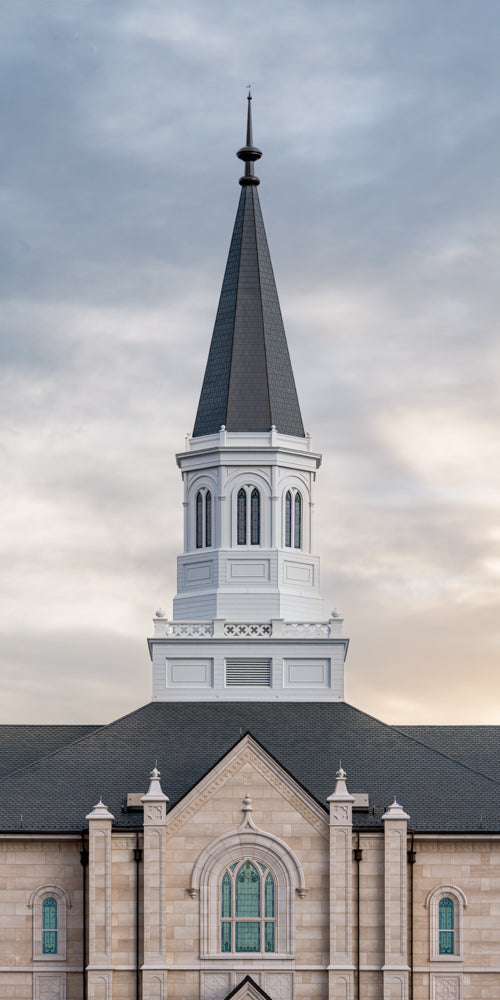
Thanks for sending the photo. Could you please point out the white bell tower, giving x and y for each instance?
(248, 619)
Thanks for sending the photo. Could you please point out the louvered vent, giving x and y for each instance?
(248, 673)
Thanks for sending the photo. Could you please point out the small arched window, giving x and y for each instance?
(49, 904)
(446, 926)
(248, 908)
(293, 519)
(203, 519)
(248, 516)
(255, 518)
(446, 905)
(49, 926)
(242, 517)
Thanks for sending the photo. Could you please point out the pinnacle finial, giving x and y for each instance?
(249, 153)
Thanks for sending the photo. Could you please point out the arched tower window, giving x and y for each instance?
(446, 926)
(255, 518)
(203, 519)
(242, 517)
(247, 908)
(288, 519)
(49, 926)
(293, 519)
(248, 516)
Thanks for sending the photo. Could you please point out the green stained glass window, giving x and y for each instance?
(248, 891)
(226, 936)
(247, 935)
(49, 926)
(269, 896)
(226, 896)
(269, 935)
(446, 926)
(248, 908)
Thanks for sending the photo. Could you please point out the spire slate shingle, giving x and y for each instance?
(249, 383)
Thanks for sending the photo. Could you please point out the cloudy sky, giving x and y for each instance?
(379, 123)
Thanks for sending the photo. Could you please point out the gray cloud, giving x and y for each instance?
(379, 125)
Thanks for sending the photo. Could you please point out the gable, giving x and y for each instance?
(246, 760)
(248, 990)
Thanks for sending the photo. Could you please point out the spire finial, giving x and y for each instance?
(249, 153)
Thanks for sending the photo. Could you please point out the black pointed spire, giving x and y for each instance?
(249, 383)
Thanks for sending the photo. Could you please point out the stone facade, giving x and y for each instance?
(247, 808)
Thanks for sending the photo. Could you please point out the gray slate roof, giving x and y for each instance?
(188, 739)
(249, 383)
(22, 745)
(475, 746)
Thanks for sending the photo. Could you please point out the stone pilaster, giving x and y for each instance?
(154, 970)
(341, 968)
(395, 969)
(99, 969)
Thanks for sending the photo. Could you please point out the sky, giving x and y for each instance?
(379, 125)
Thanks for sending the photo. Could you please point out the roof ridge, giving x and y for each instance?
(447, 756)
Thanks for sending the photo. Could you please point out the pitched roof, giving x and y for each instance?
(475, 746)
(249, 383)
(246, 988)
(187, 739)
(22, 745)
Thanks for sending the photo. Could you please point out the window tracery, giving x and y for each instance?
(248, 908)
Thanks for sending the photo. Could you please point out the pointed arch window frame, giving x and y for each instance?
(203, 518)
(248, 515)
(293, 518)
(237, 847)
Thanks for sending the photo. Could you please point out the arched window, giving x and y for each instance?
(203, 519)
(446, 926)
(247, 908)
(49, 926)
(293, 519)
(446, 904)
(208, 519)
(297, 521)
(242, 517)
(248, 516)
(247, 882)
(288, 519)
(49, 904)
(255, 518)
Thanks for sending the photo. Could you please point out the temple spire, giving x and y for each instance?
(249, 153)
(249, 384)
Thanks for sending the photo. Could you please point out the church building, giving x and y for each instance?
(239, 838)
